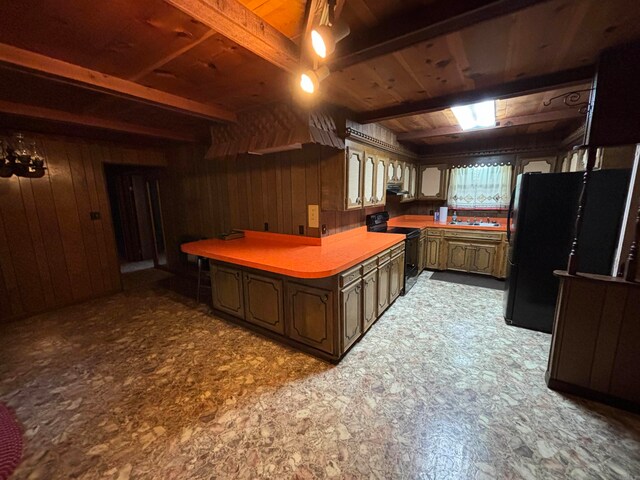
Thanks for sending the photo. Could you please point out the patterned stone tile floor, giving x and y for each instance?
(146, 384)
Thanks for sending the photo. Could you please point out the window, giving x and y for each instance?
(482, 187)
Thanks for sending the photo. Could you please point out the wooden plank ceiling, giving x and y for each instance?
(155, 44)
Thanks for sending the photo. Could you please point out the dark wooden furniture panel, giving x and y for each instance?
(595, 338)
(351, 314)
(264, 297)
(383, 287)
(310, 316)
(227, 291)
(369, 299)
(396, 277)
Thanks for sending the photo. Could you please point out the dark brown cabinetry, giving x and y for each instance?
(369, 299)
(396, 277)
(310, 318)
(323, 316)
(227, 289)
(383, 286)
(351, 313)
(264, 297)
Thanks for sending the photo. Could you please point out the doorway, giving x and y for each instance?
(134, 195)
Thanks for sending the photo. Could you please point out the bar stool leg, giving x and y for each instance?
(199, 278)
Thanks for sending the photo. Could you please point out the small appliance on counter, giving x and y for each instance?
(377, 222)
(232, 235)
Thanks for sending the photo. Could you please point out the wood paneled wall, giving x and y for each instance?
(51, 253)
(202, 198)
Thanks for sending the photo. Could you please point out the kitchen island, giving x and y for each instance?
(464, 248)
(319, 295)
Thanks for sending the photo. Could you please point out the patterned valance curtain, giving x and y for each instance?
(481, 187)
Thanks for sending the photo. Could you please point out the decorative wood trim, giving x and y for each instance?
(89, 121)
(501, 151)
(59, 71)
(238, 23)
(512, 89)
(374, 142)
(420, 25)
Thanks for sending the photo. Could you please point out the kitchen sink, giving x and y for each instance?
(477, 224)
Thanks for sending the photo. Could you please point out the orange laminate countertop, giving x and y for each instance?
(296, 256)
(424, 221)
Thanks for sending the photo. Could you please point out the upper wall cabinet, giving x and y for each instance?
(433, 182)
(354, 173)
(409, 182)
(354, 179)
(535, 165)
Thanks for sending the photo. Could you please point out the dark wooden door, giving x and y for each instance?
(351, 314)
(227, 292)
(369, 299)
(310, 316)
(264, 298)
(383, 287)
(396, 277)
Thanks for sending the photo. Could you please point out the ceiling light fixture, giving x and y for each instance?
(310, 79)
(325, 37)
(477, 115)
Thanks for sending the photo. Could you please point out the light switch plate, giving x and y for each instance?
(314, 216)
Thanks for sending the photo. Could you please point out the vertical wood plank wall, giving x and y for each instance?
(51, 253)
(202, 198)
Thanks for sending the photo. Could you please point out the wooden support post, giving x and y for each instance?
(572, 265)
(631, 268)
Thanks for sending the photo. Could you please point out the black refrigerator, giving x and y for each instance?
(540, 230)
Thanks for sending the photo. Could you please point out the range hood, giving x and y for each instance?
(274, 128)
(396, 189)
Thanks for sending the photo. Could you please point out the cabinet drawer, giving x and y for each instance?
(434, 232)
(350, 276)
(473, 235)
(369, 265)
(423, 233)
(397, 250)
(384, 257)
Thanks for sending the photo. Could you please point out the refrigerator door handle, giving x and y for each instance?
(513, 194)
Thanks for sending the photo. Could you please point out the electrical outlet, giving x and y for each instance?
(324, 229)
(314, 216)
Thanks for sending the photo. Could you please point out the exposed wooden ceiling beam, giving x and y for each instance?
(553, 116)
(173, 55)
(57, 70)
(238, 23)
(420, 25)
(42, 113)
(516, 88)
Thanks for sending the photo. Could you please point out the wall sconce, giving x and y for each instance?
(17, 159)
(310, 79)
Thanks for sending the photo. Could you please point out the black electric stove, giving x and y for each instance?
(377, 222)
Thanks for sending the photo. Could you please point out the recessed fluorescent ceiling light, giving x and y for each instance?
(477, 115)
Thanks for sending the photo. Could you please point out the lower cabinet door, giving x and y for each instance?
(369, 300)
(351, 314)
(396, 277)
(483, 259)
(383, 287)
(422, 257)
(457, 256)
(433, 253)
(264, 297)
(310, 316)
(226, 286)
